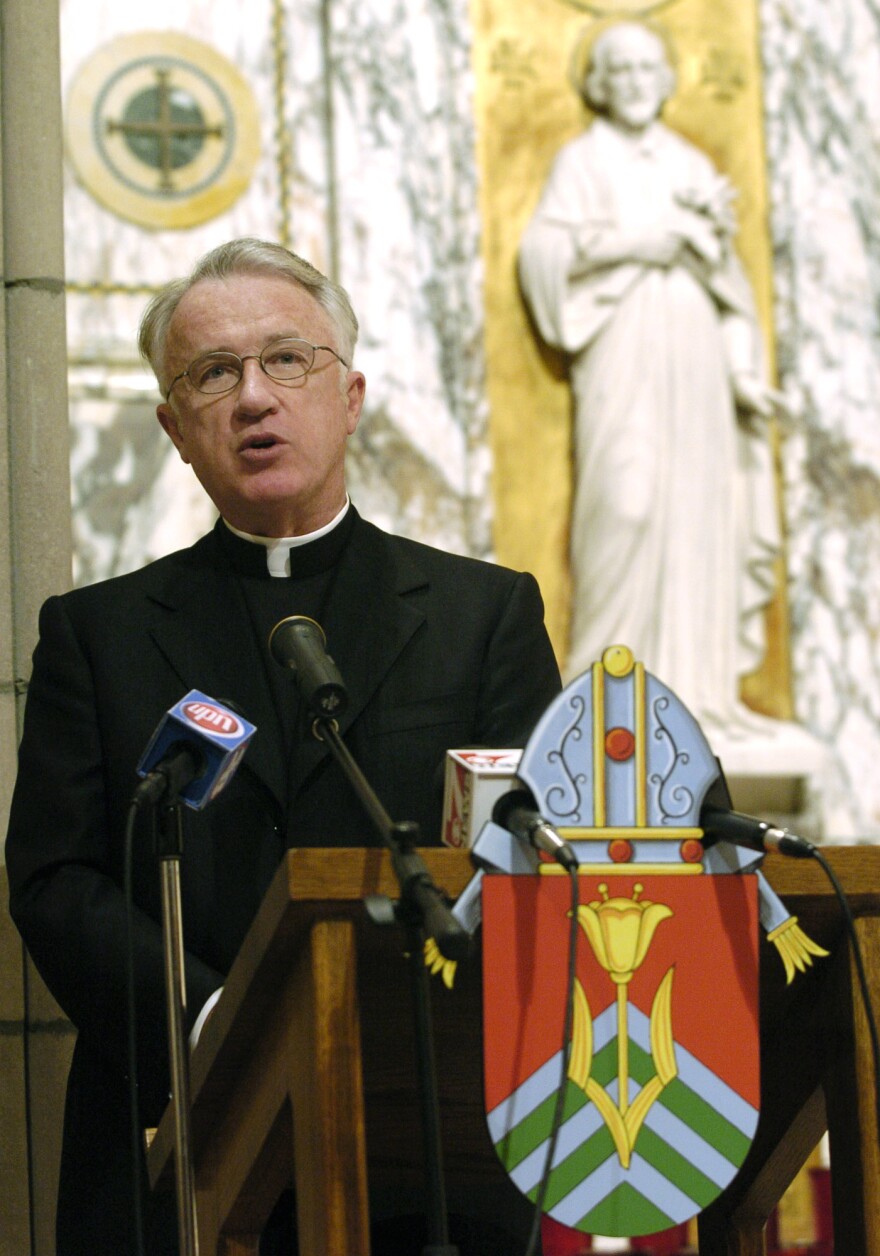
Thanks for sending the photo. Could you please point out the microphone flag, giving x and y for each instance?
(216, 735)
(475, 779)
(661, 1092)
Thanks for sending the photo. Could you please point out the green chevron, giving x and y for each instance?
(534, 1129)
(641, 1216)
(712, 1125)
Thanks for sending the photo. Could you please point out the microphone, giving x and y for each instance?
(721, 825)
(299, 643)
(193, 753)
(515, 811)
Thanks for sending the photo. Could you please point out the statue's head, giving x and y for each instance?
(629, 76)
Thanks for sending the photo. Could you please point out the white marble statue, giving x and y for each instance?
(628, 266)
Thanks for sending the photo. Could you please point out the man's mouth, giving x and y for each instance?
(259, 442)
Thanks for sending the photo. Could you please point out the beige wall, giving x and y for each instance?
(35, 1040)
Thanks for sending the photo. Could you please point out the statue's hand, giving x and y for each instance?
(662, 246)
(678, 237)
(760, 401)
(715, 202)
(754, 396)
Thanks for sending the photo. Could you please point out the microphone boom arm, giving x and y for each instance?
(417, 888)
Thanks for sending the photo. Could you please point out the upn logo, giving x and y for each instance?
(214, 719)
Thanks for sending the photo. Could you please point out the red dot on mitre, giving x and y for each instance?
(620, 850)
(620, 744)
(691, 850)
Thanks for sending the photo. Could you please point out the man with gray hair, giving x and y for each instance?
(254, 357)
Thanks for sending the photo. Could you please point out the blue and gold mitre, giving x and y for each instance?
(620, 767)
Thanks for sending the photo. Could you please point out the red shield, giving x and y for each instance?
(662, 1082)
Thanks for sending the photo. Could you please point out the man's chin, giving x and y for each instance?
(278, 514)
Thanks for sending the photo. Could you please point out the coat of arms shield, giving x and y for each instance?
(662, 1075)
(620, 998)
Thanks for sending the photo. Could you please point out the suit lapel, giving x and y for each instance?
(198, 620)
(368, 622)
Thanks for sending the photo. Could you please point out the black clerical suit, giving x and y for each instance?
(436, 651)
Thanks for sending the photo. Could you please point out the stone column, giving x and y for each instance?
(35, 551)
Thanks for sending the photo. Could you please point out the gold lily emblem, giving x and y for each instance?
(620, 932)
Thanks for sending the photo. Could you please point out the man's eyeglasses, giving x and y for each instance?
(283, 360)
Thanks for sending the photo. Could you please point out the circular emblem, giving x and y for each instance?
(214, 719)
(162, 129)
(620, 744)
(618, 660)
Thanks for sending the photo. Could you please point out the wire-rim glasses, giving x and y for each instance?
(283, 360)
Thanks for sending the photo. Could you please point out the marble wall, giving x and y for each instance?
(822, 64)
(367, 166)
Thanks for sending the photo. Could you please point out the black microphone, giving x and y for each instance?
(721, 825)
(299, 643)
(193, 753)
(515, 811)
(178, 768)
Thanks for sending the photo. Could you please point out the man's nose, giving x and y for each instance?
(254, 387)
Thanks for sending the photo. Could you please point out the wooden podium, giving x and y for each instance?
(817, 1071)
(305, 1071)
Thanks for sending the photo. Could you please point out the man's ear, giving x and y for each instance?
(355, 387)
(168, 419)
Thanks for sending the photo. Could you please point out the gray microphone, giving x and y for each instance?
(299, 643)
(720, 824)
(515, 811)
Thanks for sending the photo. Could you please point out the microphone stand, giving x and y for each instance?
(422, 910)
(168, 835)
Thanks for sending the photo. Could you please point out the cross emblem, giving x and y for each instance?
(164, 127)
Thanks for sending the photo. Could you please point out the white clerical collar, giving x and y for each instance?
(278, 547)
